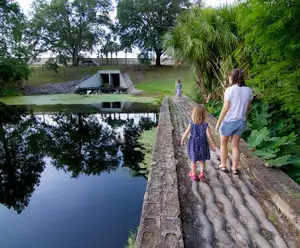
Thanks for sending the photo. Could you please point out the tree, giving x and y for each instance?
(207, 39)
(14, 54)
(125, 46)
(271, 30)
(68, 27)
(144, 23)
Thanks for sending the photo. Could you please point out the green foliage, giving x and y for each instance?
(145, 58)
(68, 27)
(7, 93)
(12, 29)
(206, 38)
(257, 137)
(13, 52)
(63, 59)
(143, 24)
(147, 140)
(51, 64)
(271, 32)
(131, 243)
(214, 107)
(273, 138)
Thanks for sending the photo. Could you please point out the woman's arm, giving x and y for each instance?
(224, 111)
(248, 109)
(186, 133)
(211, 138)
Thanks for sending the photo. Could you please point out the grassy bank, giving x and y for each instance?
(147, 139)
(155, 81)
(73, 99)
(41, 76)
(161, 80)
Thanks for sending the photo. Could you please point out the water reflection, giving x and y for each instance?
(83, 144)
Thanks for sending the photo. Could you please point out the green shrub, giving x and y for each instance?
(51, 65)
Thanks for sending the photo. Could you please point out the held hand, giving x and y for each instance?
(182, 142)
(213, 147)
(217, 127)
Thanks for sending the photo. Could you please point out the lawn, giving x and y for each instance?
(154, 80)
(42, 76)
(161, 80)
(69, 99)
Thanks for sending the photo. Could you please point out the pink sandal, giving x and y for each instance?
(202, 177)
(193, 176)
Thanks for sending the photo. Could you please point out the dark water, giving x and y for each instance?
(70, 179)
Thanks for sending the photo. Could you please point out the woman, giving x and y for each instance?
(178, 87)
(232, 120)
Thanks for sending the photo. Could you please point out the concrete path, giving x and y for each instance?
(223, 211)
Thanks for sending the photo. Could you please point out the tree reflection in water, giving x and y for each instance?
(82, 144)
(21, 161)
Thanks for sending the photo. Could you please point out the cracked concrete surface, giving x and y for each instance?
(225, 211)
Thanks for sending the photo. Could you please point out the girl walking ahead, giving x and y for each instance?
(198, 146)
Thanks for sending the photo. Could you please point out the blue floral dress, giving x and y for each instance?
(198, 147)
(178, 89)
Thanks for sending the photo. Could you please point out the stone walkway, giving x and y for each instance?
(258, 208)
(222, 212)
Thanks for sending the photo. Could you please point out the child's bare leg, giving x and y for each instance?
(193, 165)
(202, 166)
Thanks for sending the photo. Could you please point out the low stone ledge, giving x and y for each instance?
(53, 88)
(281, 190)
(160, 225)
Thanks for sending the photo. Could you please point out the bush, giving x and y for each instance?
(145, 58)
(12, 73)
(51, 65)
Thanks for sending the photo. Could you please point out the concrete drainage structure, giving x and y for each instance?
(111, 78)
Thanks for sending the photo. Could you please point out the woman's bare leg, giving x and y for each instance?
(224, 150)
(235, 144)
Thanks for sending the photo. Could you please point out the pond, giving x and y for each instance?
(72, 178)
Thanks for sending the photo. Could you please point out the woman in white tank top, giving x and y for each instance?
(232, 120)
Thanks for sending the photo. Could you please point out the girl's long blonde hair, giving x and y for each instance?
(199, 114)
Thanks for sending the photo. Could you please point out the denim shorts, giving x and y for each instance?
(232, 127)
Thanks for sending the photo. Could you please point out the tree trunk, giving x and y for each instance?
(75, 59)
(126, 58)
(158, 57)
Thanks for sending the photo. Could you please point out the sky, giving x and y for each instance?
(25, 4)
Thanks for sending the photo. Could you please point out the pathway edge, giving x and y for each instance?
(160, 224)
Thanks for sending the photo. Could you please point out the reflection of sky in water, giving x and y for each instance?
(89, 211)
(49, 119)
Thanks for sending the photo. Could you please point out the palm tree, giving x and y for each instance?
(207, 39)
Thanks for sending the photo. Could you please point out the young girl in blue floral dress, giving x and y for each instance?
(198, 146)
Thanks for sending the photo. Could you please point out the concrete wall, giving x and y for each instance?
(97, 81)
(160, 224)
(93, 81)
